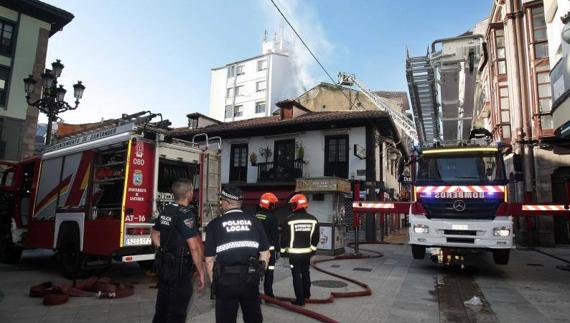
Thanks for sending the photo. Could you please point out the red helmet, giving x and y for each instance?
(268, 201)
(298, 202)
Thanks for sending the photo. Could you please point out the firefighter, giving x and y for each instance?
(299, 240)
(178, 251)
(235, 244)
(267, 203)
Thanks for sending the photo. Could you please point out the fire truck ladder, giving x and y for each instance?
(423, 93)
(400, 119)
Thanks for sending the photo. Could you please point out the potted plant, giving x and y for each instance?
(266, 153)
(253, 158)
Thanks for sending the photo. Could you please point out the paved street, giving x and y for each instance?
(530, 289)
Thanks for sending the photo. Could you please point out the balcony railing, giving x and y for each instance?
(286, 171)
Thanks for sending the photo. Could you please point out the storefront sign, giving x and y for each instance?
(359, 151)
(326, 238)
(332, 184)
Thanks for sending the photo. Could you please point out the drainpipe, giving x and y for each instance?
(529, 175)
(517, 78)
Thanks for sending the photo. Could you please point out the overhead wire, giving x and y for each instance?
(313, 55)
(302, 41)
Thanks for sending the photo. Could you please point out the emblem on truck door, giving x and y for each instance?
(459, 205)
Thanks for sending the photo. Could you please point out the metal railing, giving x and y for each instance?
(284, 171)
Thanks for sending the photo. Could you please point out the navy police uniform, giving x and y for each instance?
(300, 238)
(269, 224)
(235, 239)
(176, 224)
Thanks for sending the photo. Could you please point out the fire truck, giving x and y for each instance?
(457, 174)
(92, 197)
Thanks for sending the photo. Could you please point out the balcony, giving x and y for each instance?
(285, 171)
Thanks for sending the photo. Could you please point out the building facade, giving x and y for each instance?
(514, 100)
(26, 26)
(270, 153)
(557, 15)
(250, 88)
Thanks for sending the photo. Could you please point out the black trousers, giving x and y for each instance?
(300, 265)
(174, 293)
(268, 279)
(233, 291)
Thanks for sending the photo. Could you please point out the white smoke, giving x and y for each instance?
(306, 21)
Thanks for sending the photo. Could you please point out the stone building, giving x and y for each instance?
(25, 29)
(514, 101)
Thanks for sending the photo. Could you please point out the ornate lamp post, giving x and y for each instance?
(52, 100)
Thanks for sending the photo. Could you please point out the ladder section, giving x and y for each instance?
(423, 96)
(400, 120)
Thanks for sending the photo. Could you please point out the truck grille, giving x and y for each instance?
(479, 209)
(460, 240)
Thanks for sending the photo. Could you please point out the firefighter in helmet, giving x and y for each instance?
(299, 240)
(267, 203)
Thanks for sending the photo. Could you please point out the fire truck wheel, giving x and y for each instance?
(9, 253)
(71, 263)
(501, 256)
(418, 251)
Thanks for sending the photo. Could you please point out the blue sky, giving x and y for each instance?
(156, 55)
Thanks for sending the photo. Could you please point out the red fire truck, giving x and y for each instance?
(92, 197)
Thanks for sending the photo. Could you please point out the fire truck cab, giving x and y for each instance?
(93, 197)
(460, 204)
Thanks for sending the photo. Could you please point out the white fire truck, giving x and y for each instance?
(92, 197)
(460, 194)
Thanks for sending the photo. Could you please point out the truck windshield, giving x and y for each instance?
(475, 169)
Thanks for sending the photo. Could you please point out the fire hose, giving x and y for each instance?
(284, 302)
(57, 294)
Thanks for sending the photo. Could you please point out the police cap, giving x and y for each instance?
(231, 192)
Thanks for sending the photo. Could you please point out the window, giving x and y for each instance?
(238, 111)
(7, 31)
(544, 99)
(4, 73)
(336, 156)
(260, 107)
(231, 71)
(260, 86)
(238, 163)
(539, 38)
(229, 111)
(239, 90)
(504, 104)
(500, 52)
(261, 65)
(230, 92)
(239, 70)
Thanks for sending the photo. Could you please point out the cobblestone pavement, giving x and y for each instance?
(529, 289)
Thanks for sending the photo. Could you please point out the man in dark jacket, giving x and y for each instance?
(179, 251)
(300, 238)
(267, 203)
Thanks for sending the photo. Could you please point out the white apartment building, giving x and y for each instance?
(250, 88)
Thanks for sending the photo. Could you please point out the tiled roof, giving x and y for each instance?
(273, 122)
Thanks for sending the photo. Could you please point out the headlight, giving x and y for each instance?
(421, 228)
(501, 231)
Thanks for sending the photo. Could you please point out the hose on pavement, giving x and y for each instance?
(284, 302)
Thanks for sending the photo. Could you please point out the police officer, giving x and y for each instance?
(299, 240)
(235, 242)
(179, 250)
(267, 203)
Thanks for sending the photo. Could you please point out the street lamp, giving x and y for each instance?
(52, 101)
